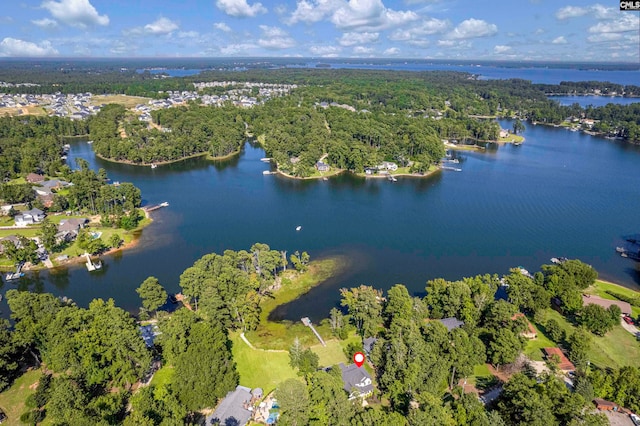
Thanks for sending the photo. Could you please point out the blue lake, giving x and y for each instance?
(561, 193)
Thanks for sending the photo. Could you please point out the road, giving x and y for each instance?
(630, 328)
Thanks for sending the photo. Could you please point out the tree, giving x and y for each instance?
(295, 353)
(8, 355)
(364, 308)
(579, 342)
(504, 347)
(115, 241)
(205, 372)
(518, 127)
(153, 295)
(47, 234)
(521, 404)
(293, 399)
(328, 400)
(555, 332)
(597, 319)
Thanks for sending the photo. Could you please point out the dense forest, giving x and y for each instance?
(94, 357)
(179, 133)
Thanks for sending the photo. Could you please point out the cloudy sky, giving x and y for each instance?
(462, 29)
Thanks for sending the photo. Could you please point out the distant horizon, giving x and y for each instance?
(313, 59)
(525, 30)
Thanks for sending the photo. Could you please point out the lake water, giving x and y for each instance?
(561, 193)
(595, 101)
(534, 74)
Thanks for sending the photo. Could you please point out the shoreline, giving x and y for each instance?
(364, 175)
(164, 163)
(81, 259)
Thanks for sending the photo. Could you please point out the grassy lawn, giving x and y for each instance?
(331, 354)
(163, 376)
(12, 399)
(616, 349)
(511, 138)
(280, 335)
(600, 289)
(27, 232)
(533, 349)
(482, 377)
(260, 368)
(126, 101)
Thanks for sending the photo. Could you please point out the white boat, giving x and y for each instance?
(153, 166)
(164, 204)
(298, 228)
(267, 172)
(89, 142)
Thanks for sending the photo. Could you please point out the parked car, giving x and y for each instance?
(635, 419)
(628, 320)
(3, 416)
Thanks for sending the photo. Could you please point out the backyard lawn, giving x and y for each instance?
(12, 399)
(616, 349)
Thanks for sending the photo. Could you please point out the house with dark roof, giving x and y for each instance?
(367, 344)
(356, 380)
(451, 323)
(322, 167)
(235, 409)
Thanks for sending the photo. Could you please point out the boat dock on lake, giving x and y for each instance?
(156, 207)
(15, 275)
(455, 169)
(92, 266)
(306, 321)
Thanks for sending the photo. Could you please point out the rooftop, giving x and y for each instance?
(233, 408)
(625, 307)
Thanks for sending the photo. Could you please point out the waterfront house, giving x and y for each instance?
(11, 238)
(563, 362)
(388, 165)
(322, 167)
(235, 409)
(451, 323)
(588, 299)
(356, 380)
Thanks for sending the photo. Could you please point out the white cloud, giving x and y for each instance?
(472, 28)
(391, 51)
(240, 8)
(604, 37)
(559, 40)
(222, 27)
(370, 15)
(571, 12)
(188, 34)
(626, 22)
(45, 23)
(326, 51)
(275, 38)
(15, 47)
(602, 12)
(417, 36)
(501, 48)
(311, 11)
(362, 50)
(76, 13)
(539, 31)
(120, 47)
(235, 49)
(161, 26)
(351, 39)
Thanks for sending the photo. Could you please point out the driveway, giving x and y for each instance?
(630, 328)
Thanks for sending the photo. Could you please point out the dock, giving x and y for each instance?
(92, 266)
(455, 169)
(15, 275)
(306, 321)
(156, 207)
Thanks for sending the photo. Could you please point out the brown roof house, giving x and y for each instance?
(588, 299)
(564, 364)
(604, 405)
(34, 178)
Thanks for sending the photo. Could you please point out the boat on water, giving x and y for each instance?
(265, 160)
(13, 276)
(267, 172)
(558, 260)
(517, 143)
(89, 142)
(153, 166)
(298, 228)
(392, 179)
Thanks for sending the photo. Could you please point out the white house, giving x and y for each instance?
(29, 217)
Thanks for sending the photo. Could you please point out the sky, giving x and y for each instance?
(554, 30)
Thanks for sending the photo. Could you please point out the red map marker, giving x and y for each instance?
(358, 358)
